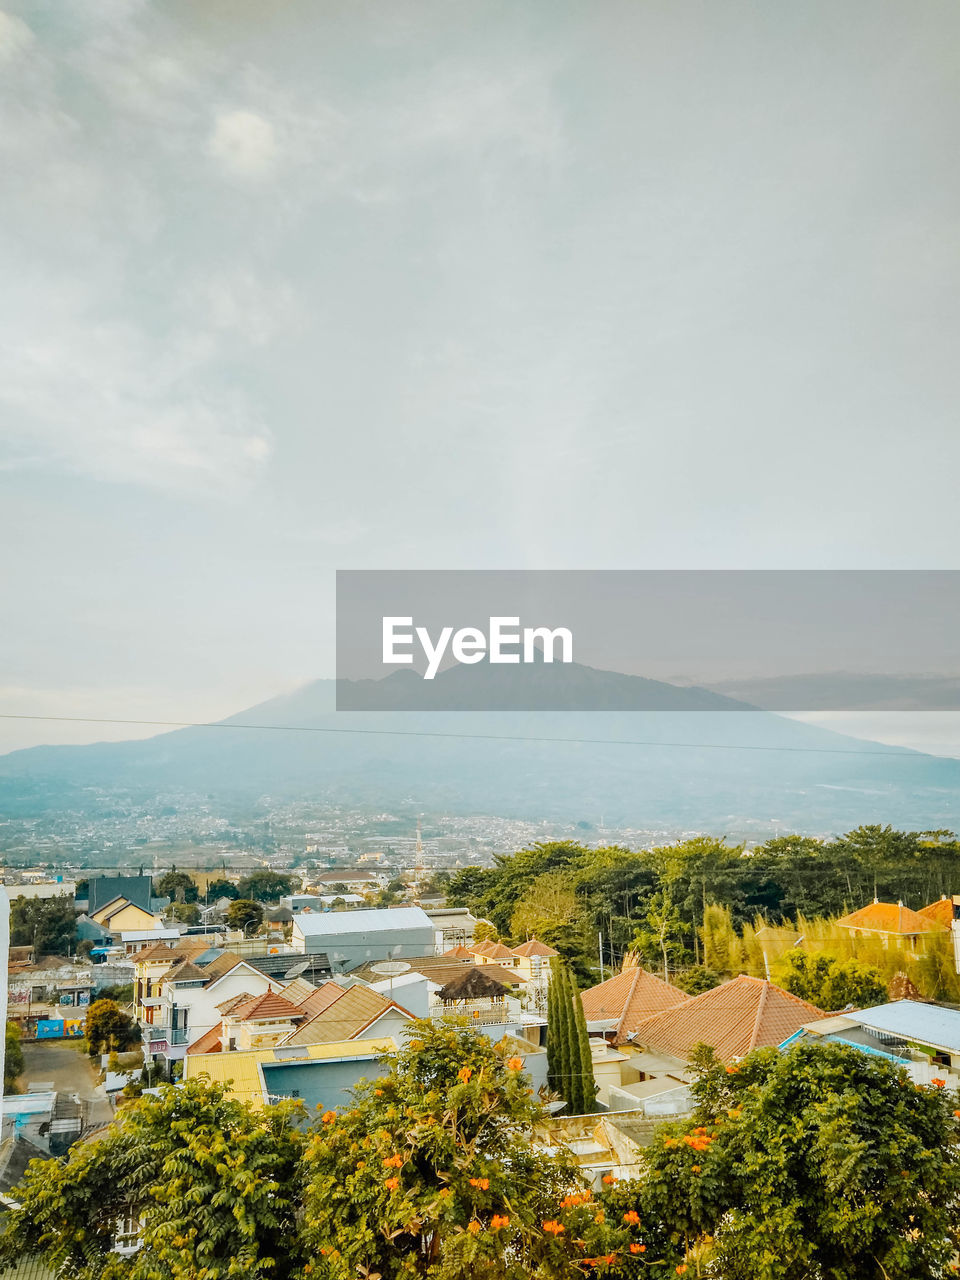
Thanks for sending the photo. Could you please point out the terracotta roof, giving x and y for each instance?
(233, 1002)
(181, 950)
(223, 964)
(629, 997)
(495, 951)
(740, 1015)
(209, 1042)
(534, 947)
(941, 913)
(460, 952)
(345, 1019)
(185, 971)
(297, 989)
(481, 948)
(321, 998)
(889, 917)
(269, 1005)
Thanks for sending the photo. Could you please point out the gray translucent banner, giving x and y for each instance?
(713, 640)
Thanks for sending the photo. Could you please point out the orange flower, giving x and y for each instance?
(681, 1269)
(378, 1092)
(515, 1064)
(939, 1083)
(555, 1228)
(464, 1074)
(392, 1183)
(957, 1113)
(638, 1248)
(482, 1183)
(393, 1162)
(732, 1071)
(600, 1216)
(632, 1217)
(499, 1220)
(328, 1117)
(473, 1227)
(609, 1179)
(695, 1168)
(361, 1164)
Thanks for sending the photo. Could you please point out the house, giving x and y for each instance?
(941, 912)
(349, 938)
(493, 953)
(892, 920)
(922, 1038)
(322, 1075)
(353, 879)
(533, 960)
(738, 1016)
(121, 914)
(617, 1007)
(105, 889)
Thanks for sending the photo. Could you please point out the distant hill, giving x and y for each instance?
(670, 763)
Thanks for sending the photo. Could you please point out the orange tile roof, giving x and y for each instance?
(345, 1019)
(161, 951)
(269, 1005)
(494, 950)
(941, 913)
(209, 1042)
(742, 1014)
(233, 1002)
(534, 947)
(322, 998)
(889, 917)
(461, 952)
(629, 997)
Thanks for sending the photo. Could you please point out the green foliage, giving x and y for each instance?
(830, 983)
(696, 980)
(484, 931)
(821, 1163)
(47, 924)
(108, 1029)
(121, 992)
(244, 912)
(185, 912)
(569, 1061)
(213, 1183)
(267, 886)
(658, 937)
(177, 886)
(221, 889)
(13, 1059)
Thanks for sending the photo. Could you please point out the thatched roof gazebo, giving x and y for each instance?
(472, 984)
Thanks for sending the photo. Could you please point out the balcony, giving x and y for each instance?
(167, 1035)
(487, 1013)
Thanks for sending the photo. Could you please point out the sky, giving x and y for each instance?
(446, 284)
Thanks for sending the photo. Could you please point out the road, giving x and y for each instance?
(60, 1061)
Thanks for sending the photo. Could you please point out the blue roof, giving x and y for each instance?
(376, 920)
(929, 1024)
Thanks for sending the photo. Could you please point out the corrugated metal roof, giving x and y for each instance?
(241, 1068)
(909, 1020)
(379, 920)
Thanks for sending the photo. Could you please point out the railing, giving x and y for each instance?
(175, 1035)
(485, 1014)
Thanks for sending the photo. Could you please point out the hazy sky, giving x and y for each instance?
(449, 284)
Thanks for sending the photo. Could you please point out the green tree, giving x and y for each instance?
(13, 1059)
(830, 983)
(221, 889)
(49, 925)
(177, 886)
(431, 1173)
(484, 931)
(243, 913)
(109, 1028)
(821, 1163)
(185, 912)
(268, 886)
(660, 933)
(213, 1183)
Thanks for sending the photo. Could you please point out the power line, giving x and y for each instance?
(468, 737)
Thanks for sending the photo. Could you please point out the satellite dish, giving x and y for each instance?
(390, 968)
(297, 969)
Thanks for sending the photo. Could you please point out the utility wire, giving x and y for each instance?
(470, 737)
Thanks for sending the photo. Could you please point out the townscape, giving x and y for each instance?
(289, 1005)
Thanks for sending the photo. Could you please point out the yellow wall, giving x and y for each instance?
(130, 917)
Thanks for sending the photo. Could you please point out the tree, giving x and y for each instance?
(177, 886)
(109, 1028)
(660, 931)
(431, 1173)
(820, 1163)
(484, 931)
(49, 925)
(569, 1060)
(830, 983)
(244, 912)
(221, 889)
(13, 1059)
(267, 886)
(185, 912)
(212, 1182)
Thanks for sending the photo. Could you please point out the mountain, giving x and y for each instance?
(706, 767)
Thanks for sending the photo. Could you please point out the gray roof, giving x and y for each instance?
(380, 920)
(103, 889)
(928, 1024)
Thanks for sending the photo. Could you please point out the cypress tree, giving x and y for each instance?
(553, 1034)
(587, 1085)
(565, 1028)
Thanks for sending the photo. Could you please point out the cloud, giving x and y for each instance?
(15, 37)
(244, 144)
